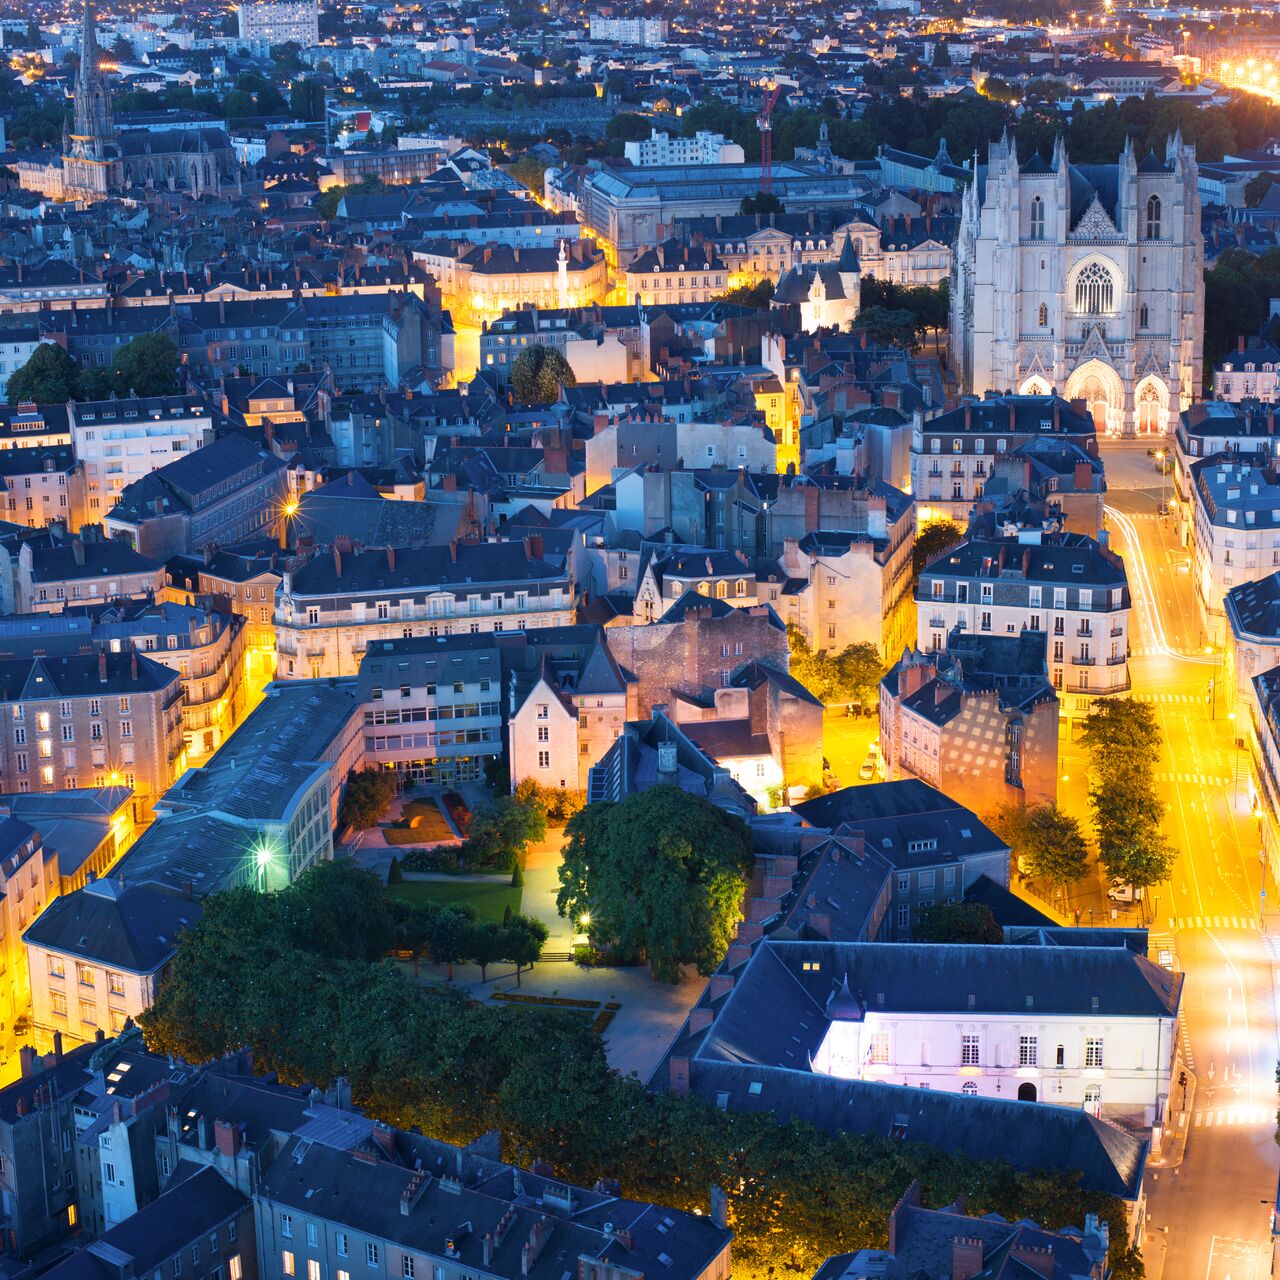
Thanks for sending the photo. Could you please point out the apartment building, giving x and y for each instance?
(120, 441)
(247, 581)
(952, 453)
(978, 720)
(601, 343)
(48, 574)
(1066, 585)
(1235, 513)
(433, 707)
(674, 272)
(28, 880)
(332, 607)
(646, 32)
(41, 485)
(224, 492)
(96, 957)
(280, 21)
(660, 147)
(91, 719)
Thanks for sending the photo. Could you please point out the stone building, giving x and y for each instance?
(1085, 279)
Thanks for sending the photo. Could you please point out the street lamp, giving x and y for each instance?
(262, 860)
(1164, 477)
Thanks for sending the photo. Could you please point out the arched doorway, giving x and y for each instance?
(1152, 404)
(1099, 386)
(1026, 1092)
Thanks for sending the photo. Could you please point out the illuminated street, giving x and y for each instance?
(1209, 1217)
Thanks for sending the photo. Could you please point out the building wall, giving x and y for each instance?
(79, 997)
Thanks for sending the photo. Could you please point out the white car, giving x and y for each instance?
(1121, 892)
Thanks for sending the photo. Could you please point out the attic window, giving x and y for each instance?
(755, 1088)
(973, 1002)
(811, 966)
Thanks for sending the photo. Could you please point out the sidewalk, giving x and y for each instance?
(1173, 1139)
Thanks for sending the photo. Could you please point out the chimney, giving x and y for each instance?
(337, 562)
(966, 1258)
(719, 1208)
(385, 1138)
(915, 675)
(1240, 342)
(226, 1138)
(57, 1046)
(102, 666)
(391, 559)
(133, 664)
(968, 416)
(27, 1059)
(1083, 477)
(1037, 1260)
(897, 1219)
(679, 1075)
(77, 550)
(453, 551)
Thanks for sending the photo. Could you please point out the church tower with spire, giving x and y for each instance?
(90, 161)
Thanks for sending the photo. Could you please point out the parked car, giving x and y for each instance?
(868, 770)
(1121, 892)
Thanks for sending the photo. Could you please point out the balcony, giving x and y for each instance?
(1079, 661)
(1118, 661)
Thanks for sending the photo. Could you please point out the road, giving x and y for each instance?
(1210, 1218)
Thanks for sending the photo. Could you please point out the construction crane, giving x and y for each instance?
(768, 100)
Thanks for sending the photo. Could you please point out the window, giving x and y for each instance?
(1144, 317)
(57, 1004)
(1028, 1051)
(406, 1267)
(1153, 218)
(340, 1243)
(195, 1255)
(879, 1052)
(57, 967)
(177, 1265)
(544, 759)
(311, 1234)
(85, 974)
(970, 1087)
(108, 1172)
(1044, 314)
(970, 1051)
(1093, 1095)
(286, 1226)
(313, 1269)
(904, 915)
(235, 1269)
(1093, 1051)
(1037, 219)
(286, 1263)
(1095, 290)
(371, 1253)
(115, 984)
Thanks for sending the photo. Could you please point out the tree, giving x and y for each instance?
(538, 374)
(502, 830)
(50, 376)
(757, 295)
(853, 675)
(860, 671)
(941, 54)
(146, 366)
(1124, 742)
(662, 872)
(762, 202)
(967, 922)
(447, 935)
(1048, 841)
(889, 327)
(484, 943)
(936, 537)
(306, 99)
(524, 938)
(394, 873)
(365, 799)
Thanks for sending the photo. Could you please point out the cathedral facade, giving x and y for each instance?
(1085, 280)
(99, 159)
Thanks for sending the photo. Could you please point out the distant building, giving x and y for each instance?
(1248, 373)
(17, 345)
(646, 32)
(661, 148)
(28, 881)
(978, 720)
(280, 21)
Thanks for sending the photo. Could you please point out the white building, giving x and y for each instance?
(1064, 584)
(97, 956)
(703, 148)
(1235, 531)
(639, 31)
(17, 345)
(279, 21)
(121, 441)
(1087, 280)
(1092, 1027)
(1248, 373)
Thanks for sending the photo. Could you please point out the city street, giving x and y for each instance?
(1210, 1217)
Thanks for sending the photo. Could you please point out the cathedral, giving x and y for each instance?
(1085, 280)
(100, 159)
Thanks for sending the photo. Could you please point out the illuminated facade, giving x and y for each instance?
(1084, 279)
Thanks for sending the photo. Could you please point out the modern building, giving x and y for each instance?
(1083, 279)
(120, 441)
(332, 607)
(96, 957)
(978, 720)
(1066, 586)
(660, 148)
(646, 32)
(280, 21)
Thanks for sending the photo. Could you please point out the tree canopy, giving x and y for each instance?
(966, 922)
(1124, 743)
(1048, 841)
(538, 374)
(146, 366)
(662, 873)
(852, 675)
(932, 540)
(286, 974)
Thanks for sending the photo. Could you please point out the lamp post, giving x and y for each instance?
(1160, 456)
(262, 859)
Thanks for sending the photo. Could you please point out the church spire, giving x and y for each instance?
(93, 119)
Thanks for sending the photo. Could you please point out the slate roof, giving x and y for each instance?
(79, 675)
(132, 927)
(1061, 559)
(109, 558)
(1254, 609)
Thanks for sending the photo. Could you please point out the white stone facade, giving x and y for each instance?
(1087, 280)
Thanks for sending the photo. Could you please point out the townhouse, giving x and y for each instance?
(39, 486)
(1065, 585)
(979, 720)
(94, 719)
(952, 452)
(600, 343)
(331, 607)
(42, 575)
(675, 272)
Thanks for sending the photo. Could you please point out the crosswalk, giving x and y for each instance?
(1195, 779)
(1186, 699)
(1247, 923)
(1245, 1114)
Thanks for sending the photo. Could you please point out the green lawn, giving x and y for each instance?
(489, 900)
(428, 826)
